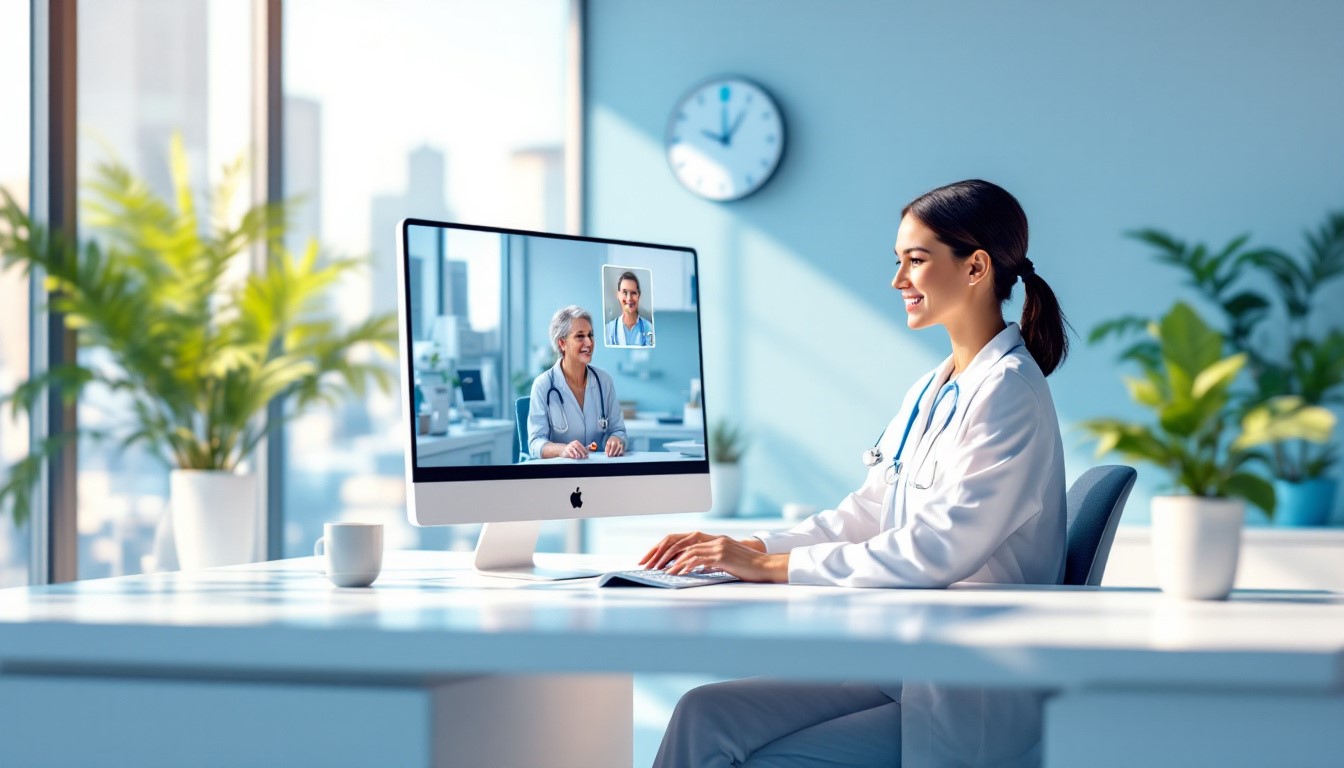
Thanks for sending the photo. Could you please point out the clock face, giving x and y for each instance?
(725, 139)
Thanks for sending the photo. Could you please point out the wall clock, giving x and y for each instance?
(725, 138)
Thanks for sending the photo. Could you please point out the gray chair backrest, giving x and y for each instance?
(522, 407)
(1095, 502)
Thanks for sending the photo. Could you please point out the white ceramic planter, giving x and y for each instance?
(214, 517)
(725, 488)
(1196, 544)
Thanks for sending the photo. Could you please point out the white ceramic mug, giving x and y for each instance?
(351, 554)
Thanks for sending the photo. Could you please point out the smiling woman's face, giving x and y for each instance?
(934, 283)
(578, 345)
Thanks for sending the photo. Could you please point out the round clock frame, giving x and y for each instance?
(724, 138)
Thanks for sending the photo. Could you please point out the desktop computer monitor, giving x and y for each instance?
(476, 298)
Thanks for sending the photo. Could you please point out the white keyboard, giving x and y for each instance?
(642, 578)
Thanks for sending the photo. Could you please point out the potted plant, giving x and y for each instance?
(726, 446)
(1290, 359)
(1198, 438)
(197, 348)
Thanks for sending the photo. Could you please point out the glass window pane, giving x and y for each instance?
(462, 119)
(16, 106)
(149, 70)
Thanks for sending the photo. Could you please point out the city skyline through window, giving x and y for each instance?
(462, 119)
(149, 70)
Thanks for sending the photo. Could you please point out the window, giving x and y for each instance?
(460, 116)
(15, 104)
(149, 69)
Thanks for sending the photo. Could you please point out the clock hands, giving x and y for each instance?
(726, 131)
(724, 134)
(727, 137)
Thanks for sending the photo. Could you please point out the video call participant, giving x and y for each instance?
(629, 329)
(574, 407)
(966, 484)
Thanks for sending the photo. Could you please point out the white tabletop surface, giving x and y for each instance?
(429, 615)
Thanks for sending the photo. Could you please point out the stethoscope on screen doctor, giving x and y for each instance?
(873, 456)
(601, 401)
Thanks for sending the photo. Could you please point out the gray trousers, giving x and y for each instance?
(768, 724)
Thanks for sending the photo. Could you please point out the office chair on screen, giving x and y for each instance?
(521, 408)
(1095, 502)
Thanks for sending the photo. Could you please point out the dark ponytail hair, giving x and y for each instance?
(976, 215)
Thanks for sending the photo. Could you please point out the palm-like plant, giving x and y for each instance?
(198, 346)
(1186, 381)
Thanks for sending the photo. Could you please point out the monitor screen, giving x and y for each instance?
(483, 315)
(471, 384)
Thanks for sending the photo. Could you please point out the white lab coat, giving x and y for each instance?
(544, 419)
(993, 511)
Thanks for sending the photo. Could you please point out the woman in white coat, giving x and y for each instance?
(965, 484)
(566, 417)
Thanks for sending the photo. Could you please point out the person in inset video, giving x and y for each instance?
(629, 329)
(566, 419)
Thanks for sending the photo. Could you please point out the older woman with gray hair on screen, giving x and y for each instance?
(574, 409)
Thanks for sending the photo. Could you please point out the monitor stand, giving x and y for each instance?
(505, 549)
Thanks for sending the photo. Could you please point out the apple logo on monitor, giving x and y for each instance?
(576, 499)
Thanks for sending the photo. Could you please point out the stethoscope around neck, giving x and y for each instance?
(601, 401)
(617, 336)
(873, 456)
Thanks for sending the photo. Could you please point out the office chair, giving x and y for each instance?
(1095, 502)
(521, 408)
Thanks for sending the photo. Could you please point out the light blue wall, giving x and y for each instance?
(1207, 118)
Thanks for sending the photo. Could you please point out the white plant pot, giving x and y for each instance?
(725, 488)
(214, 517)
(1196, 543)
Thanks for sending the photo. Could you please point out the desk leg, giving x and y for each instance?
(1155, 729)
(551, 720)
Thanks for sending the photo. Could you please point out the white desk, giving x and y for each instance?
(643, 431)
(267, 663)
(484, 441)
(633, 457)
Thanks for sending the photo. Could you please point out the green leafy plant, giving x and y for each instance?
(1294, 361)
(198, 347)
(1186, 381)
(727, 443)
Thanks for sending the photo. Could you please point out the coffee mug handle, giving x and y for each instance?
(320, 551)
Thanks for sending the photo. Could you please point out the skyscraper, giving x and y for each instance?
(425, 197)
(537, 187)
(303, 169)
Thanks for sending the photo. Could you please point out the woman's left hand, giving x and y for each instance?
(615, 446)
(722, 553)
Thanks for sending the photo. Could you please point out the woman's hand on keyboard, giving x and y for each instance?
(745, 559)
